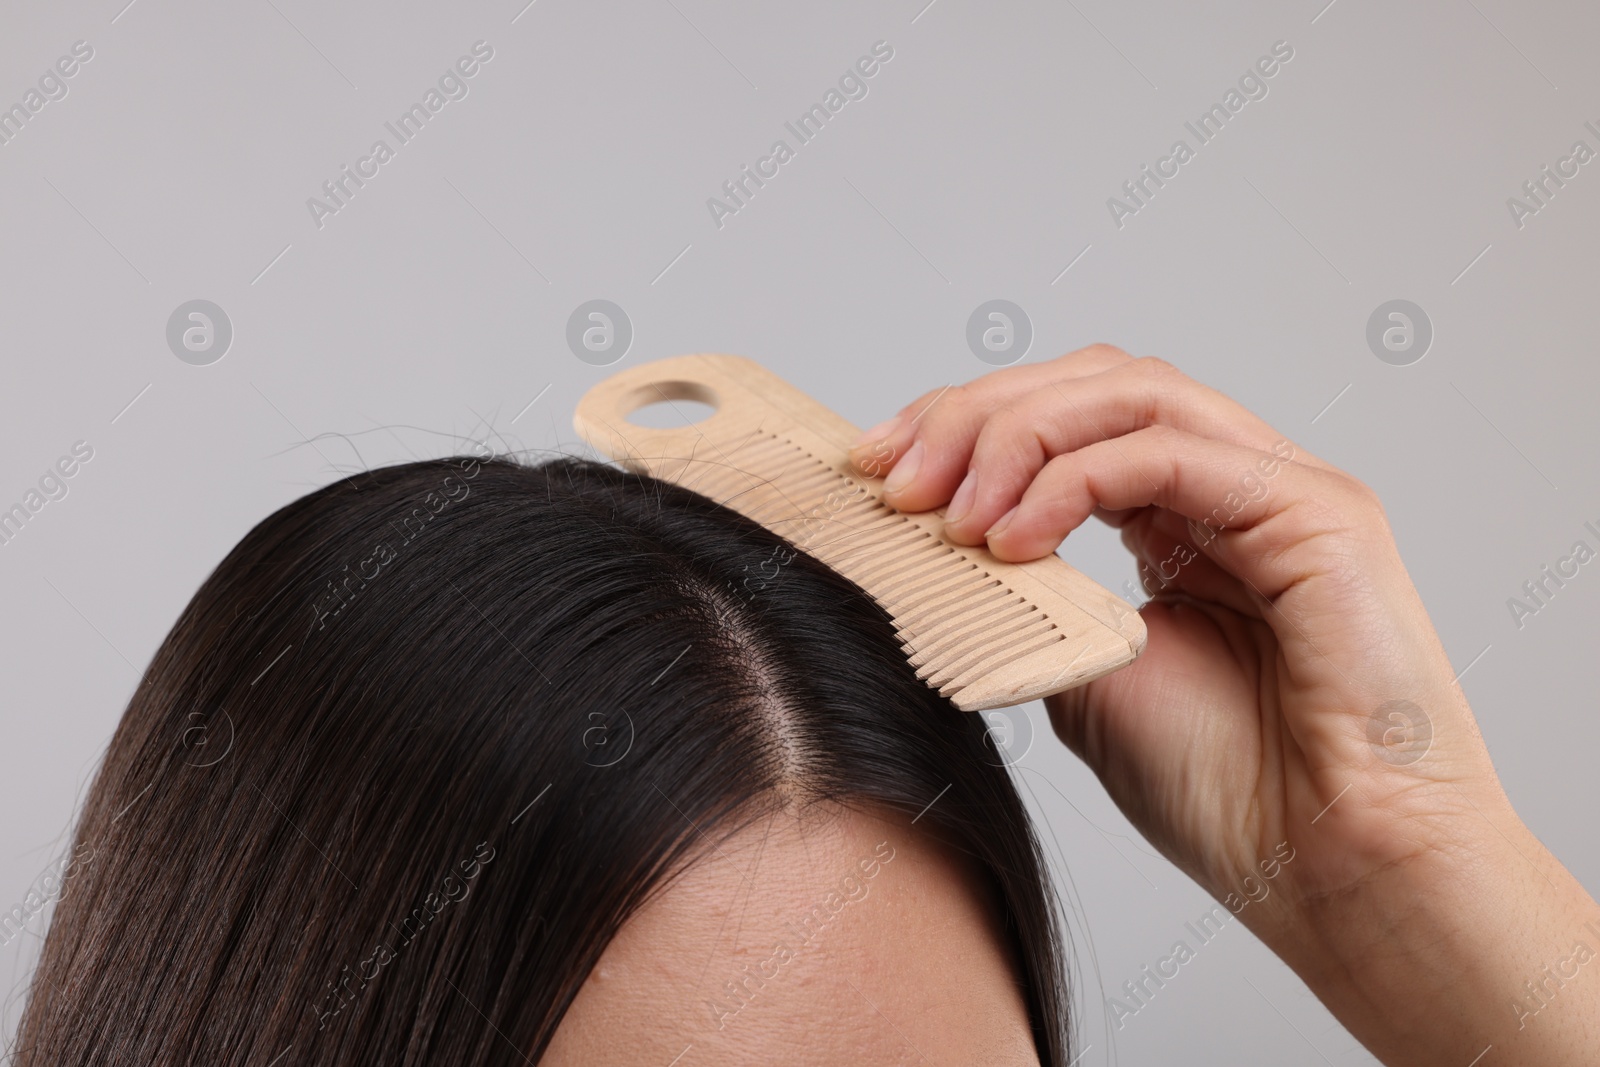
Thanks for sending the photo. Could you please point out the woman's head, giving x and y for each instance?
(430, 737)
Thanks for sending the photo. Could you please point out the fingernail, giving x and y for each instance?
(961, 504)
(905, 470)
(1000, 526)
(877, 433)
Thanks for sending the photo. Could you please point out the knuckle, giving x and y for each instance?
(931, 408)
(1369, 506)
(1359, 497)
(1157, 369)
(1107, 351)
(1008, 422)
(944, 412)
(1008, 433)
(956, 397)
(1062, 470)
(1348, 508)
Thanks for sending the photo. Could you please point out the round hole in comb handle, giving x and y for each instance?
(602, 415)
(668, 404)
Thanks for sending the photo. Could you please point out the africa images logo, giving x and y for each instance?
(852, 86)
(1252, 86)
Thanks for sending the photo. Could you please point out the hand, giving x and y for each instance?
(1293, 694)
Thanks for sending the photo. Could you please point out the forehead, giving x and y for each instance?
(800, 942)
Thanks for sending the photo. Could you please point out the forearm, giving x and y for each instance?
(1488, 955)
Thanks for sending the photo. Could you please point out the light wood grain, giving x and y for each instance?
(984, 633)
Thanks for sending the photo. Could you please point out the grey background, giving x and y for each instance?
(434, 307)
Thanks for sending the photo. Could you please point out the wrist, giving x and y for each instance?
(1484, 942)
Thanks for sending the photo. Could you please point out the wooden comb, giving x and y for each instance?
(984, 633)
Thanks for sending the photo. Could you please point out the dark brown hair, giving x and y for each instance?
(396, 776)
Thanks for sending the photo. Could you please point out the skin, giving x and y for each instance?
(904, 966)
(1417, 904)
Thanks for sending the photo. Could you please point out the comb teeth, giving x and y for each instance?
(983, 632)
(954, 619)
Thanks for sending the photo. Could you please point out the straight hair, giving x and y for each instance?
(428, 736)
